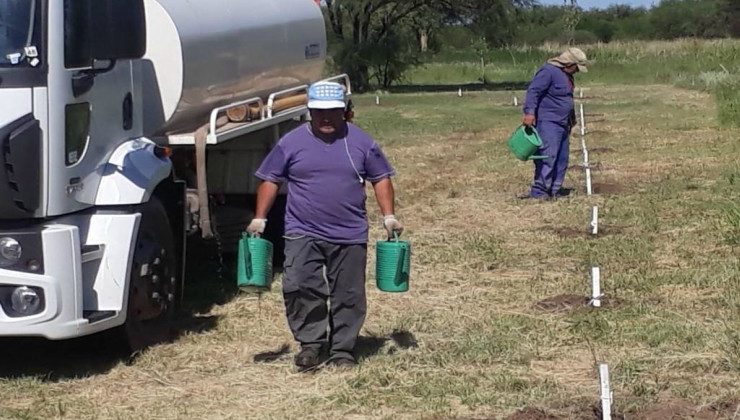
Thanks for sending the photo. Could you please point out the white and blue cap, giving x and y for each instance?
(326, 95)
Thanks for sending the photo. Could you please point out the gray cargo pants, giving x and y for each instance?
(307, 291)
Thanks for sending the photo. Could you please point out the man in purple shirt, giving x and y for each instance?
(549, 107)
(325, 164)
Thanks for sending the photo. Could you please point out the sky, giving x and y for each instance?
(601, 4)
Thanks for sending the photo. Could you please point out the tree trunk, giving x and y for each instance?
(424, 40)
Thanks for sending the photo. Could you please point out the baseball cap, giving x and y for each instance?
(326, 95)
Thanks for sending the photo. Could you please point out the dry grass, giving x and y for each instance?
(482, 260)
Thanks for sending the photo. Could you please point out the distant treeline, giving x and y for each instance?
(535, 24)
(377, 41)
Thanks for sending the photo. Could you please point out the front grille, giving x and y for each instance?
(20, 179)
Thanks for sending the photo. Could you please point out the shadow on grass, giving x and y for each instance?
(53, 361)
(207, 284)
(371, 345)
(469, 87)
(272, 356)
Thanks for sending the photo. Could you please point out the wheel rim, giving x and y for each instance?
(153, 287)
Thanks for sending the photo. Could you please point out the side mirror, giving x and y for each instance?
(103, 30)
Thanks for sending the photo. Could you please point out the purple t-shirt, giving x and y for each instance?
(326, 198)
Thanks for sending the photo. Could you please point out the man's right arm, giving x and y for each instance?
(272, 171)
(266, 194)
(537, 88)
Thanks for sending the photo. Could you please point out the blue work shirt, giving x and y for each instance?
(550, 95)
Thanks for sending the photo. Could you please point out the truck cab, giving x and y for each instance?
(98, 98)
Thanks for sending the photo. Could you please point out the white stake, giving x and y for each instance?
(596, 287)
(459, 93)
(595, 220)
(606, 393)
(581, 93)
(516, 101)
(583, 124)
(377, 100)
(586, 165)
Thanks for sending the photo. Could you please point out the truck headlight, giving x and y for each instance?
(25, 301)
(10, 252)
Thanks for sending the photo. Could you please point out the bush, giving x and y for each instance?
(688, 18)
(578, 37)
(728, 102)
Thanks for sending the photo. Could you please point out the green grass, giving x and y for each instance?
(669, 253)
(712, 66)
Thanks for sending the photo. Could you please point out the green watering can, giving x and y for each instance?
(525, 142)
(393, 265)
(254, 265)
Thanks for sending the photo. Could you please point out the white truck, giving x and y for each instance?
(120, 120)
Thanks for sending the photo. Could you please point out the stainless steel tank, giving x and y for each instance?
(202, 54)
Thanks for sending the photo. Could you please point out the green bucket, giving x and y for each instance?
(525, 142)
(393, 265)
(254, 265)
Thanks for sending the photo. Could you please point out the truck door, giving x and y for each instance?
(91, 105)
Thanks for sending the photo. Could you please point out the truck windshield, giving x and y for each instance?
(17, 20)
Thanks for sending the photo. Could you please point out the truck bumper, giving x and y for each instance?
(76, 282)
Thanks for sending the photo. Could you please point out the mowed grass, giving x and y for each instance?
(467, 340)
(707, 65)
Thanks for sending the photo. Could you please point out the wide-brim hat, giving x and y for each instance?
(327, 95)
(569, 57)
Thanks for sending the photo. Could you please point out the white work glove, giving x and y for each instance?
(257, 227)
(391, 224)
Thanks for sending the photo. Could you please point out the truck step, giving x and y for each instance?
(96, 316)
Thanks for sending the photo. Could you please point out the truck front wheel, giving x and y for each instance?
(153, 284)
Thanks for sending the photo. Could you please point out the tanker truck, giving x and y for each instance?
(127, 127)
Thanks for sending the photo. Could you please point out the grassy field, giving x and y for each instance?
(710, 66)
(494, 325)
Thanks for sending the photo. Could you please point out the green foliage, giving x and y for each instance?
(378, 41)
(688, 18)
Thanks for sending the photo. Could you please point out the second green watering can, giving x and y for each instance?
(254, 265)
(393, 265)
(525, 142)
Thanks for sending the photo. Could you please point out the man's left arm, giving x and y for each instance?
(385, 195)
(379, 172)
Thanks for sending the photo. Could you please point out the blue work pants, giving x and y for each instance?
(549, 173)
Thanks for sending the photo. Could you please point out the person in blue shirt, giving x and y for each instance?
(549, 108)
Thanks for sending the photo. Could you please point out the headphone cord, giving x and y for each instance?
(352, 162)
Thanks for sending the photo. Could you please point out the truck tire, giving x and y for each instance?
(153, 285)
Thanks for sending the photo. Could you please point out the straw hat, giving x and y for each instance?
(571, 56)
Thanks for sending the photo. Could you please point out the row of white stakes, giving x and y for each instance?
(605, 392)
(596, 296)
(460, 95)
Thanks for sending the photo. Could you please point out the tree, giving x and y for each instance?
(379, 39)
(370, 34)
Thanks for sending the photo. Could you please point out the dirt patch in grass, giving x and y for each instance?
(570, 232)
(569, 302)
(682, 409)
(561, 303)
(602, 149)
(606, 188)
(595, 167)
(532, 414)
